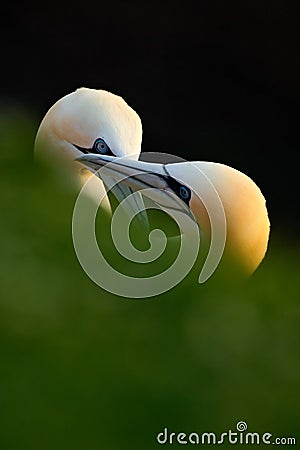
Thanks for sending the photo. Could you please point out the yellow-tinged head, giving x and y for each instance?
(247, 222)
(224, 201)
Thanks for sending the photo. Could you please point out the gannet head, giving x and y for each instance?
(208, 192)
(88, 120)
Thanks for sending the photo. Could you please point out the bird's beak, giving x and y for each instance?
(150, 178)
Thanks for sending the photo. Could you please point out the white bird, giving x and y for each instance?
(245, 210)
(88, 121)
(89, 128)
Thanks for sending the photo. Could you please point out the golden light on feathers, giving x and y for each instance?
(82, 117)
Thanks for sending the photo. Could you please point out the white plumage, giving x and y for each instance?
(73, 125)
(78, 120)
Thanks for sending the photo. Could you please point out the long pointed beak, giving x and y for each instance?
(139, 174)
(151, 178)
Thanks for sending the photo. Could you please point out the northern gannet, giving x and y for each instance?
(87, 121)
(247, 222)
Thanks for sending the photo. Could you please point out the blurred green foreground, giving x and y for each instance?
(81, 369)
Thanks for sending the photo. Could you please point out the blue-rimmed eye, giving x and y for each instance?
(184, 193)
(100, 146)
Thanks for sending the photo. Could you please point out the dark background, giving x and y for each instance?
(216, 82)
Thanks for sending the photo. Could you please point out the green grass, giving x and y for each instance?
(81, 369)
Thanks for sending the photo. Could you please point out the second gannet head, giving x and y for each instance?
(217, 197)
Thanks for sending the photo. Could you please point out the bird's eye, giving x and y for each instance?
(184, 193)
(100, 146)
